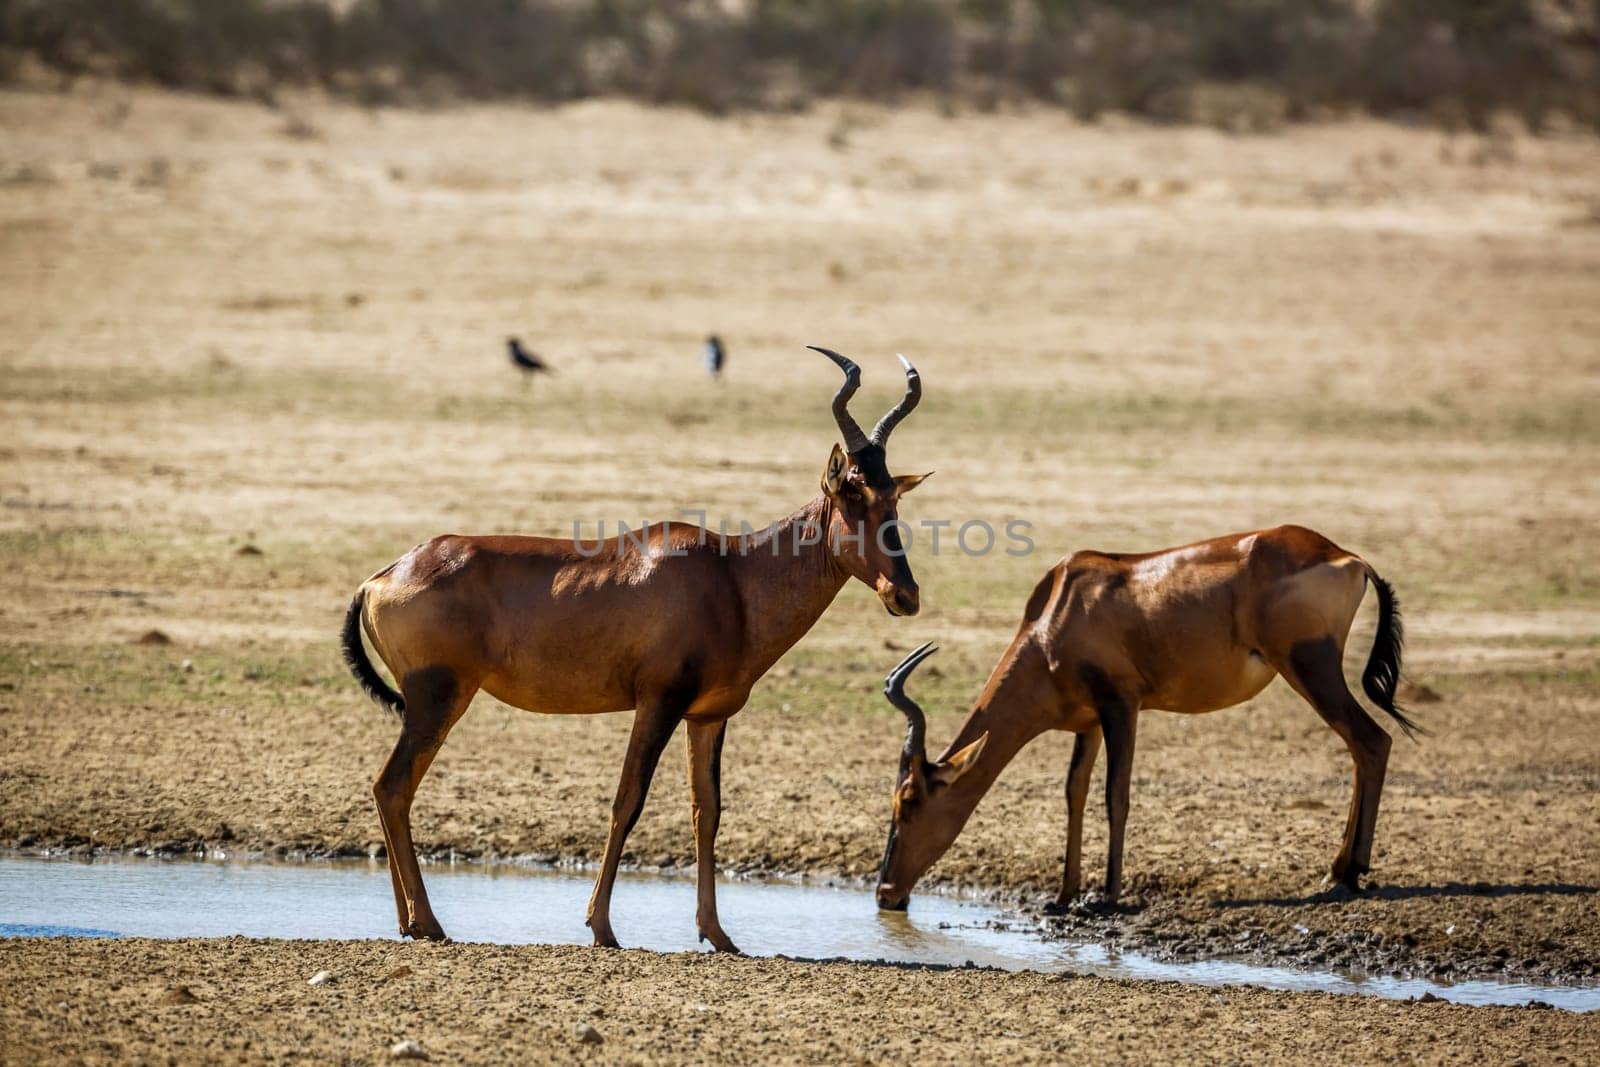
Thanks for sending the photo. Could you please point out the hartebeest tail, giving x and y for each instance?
(1381, 679)
(1107, 635)
(355, 657)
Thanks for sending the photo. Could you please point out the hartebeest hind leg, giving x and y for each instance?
(1314, 670)
(653, 724)
(1085, 747)
(705, 808)
(435, 698)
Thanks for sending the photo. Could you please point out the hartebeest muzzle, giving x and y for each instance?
(900, 600)
(890, 896)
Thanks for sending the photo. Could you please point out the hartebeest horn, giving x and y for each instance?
(908, 404)
(854, 439)
(894, 687)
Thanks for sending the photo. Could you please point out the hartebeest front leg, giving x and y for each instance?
(653, 724)
(1119, 720)
(1085, 748)
(705, 809)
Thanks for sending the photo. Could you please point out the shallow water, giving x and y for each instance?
(510, 904)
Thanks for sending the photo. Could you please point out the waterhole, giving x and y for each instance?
(514, 904)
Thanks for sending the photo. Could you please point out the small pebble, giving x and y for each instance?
(408, 1050)
(587, 1035)
(320, 978)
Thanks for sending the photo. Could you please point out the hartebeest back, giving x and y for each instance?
(1106, 635)
(678, 626)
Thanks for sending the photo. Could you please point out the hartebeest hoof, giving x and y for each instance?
(1345, 877)
(603, 937)
(1340, 888)
(1336, 891)
(424, 930)
(1095, 902)
(720, 942)
(1062, 904)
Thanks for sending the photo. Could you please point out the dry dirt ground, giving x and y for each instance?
(250, 356)
(237, 1000)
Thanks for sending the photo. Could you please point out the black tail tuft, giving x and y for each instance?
(1381, 679)
(356, 657)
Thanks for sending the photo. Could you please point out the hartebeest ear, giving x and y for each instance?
(904, 483)
(948, 772)
(833, 476)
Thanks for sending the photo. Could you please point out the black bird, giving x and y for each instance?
(715, 356)
(526, 361)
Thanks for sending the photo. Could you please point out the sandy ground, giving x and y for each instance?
(245, 367)
(249, 1001)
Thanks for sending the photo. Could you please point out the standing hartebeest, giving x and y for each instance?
(676, 623)
(1190, 629)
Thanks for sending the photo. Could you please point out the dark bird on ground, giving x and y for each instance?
(716, 356)
(527, 362)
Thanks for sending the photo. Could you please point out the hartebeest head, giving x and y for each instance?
(926, 814)
(863, 525)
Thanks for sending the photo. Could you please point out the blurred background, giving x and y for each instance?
(1238, 63)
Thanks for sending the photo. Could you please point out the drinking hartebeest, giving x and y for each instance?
(1190, 629)
(676, 623)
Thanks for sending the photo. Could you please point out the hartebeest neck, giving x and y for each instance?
(1016, 706)
(787, 576)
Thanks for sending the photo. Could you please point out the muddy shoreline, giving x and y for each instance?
(1152, 931)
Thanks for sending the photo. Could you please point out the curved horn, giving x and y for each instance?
(908, 404)
(854, 439)
(894, 687)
